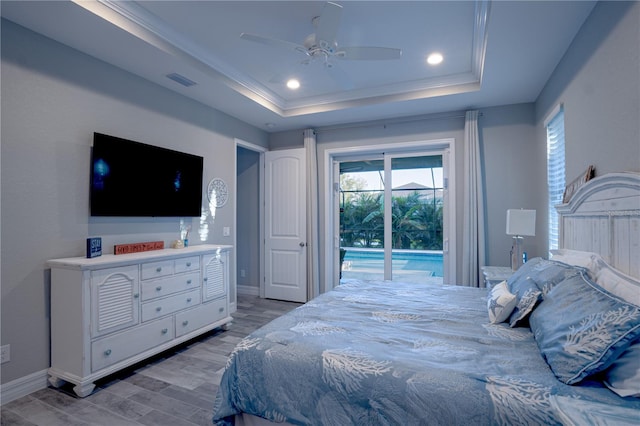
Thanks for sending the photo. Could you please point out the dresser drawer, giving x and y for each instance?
(168, 305)
(110, 350)
(166, 286)
(157, 269)
(201, 316)
(187, 264)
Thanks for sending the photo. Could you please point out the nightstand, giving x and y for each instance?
(495, 274)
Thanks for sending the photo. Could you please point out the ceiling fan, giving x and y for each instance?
(322, 44)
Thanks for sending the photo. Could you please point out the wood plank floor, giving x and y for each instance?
(176, 388)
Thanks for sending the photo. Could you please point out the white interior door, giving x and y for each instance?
(285, 225)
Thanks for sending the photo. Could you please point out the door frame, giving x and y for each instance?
(332, 220)
(261, 151)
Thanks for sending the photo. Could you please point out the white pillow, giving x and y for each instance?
(617, 283)
(588, 260)
(623, 377)
(500, 303)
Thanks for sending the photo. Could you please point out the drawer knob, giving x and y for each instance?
(188, 300)
(158, 269)
(188, 264)
(205, 279)
(136, 295)
(107, 352)
(188, 282)
(159, 308)
(159, 288)
(164, 331)
(221, 310)
(185, 323)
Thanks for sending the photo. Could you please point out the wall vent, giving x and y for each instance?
(180, 79)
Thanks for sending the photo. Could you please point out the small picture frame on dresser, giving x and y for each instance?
(94, 247)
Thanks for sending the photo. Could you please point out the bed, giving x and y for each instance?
(557, 343)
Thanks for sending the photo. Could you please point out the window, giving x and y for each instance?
(412, 229)
(555, 170)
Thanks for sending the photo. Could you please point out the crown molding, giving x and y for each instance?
(140, 23)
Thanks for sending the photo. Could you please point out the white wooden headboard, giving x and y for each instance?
(603, 216)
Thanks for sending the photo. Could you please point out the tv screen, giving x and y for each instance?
(134, 179)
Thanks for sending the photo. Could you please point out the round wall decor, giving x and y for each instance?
(217, 192)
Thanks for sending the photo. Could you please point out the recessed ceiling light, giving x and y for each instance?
(293, 84)
(435, 58)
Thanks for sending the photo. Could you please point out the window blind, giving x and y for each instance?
(555, 172)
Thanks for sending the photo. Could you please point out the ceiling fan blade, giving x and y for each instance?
(273, 42)
(368, 53)
(338, 75)
(327, 24)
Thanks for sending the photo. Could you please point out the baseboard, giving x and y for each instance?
(248, 290)
(23, 386)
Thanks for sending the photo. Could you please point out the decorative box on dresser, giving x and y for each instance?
(113, 311)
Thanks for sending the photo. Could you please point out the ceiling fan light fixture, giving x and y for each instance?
(321, 45)
(435, 58)
(293, 84)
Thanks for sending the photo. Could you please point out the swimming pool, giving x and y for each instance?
(407, 265)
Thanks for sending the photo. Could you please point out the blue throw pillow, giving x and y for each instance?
(527, 296)
(532, 281)
(550, 273)
(581, 329)
(525, 270)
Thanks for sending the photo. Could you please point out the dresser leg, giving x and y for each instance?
(56, 382)
(84, 390)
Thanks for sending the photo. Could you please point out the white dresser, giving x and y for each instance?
(113, 311)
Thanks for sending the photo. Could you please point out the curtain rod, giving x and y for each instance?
(382, 123)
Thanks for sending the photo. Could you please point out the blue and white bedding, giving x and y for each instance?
(394, 353)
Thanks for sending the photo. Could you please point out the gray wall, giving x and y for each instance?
(510, 162)
(53, 99)
(248, 222)
(598, 81)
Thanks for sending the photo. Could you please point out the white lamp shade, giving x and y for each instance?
(521, 222)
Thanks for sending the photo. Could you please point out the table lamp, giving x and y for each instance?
(520, 223)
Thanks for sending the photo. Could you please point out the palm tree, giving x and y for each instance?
(416, 222)
(430, 214)
(359, 227)
(404, 222)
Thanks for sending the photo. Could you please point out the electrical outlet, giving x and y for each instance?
(243, 273)
(226, 231)
(5, 354)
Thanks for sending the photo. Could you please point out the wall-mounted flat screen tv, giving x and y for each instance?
(134, 179)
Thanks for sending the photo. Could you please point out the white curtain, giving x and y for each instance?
(313, 252)
(473, 240)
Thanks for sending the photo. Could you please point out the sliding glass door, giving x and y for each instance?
(391, 217)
